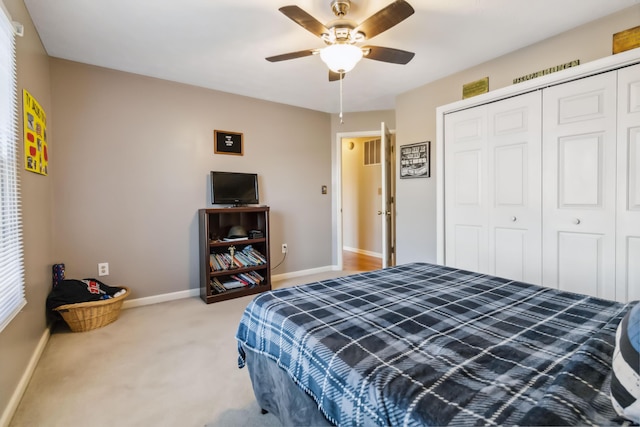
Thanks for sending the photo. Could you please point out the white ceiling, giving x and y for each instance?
(221, 44)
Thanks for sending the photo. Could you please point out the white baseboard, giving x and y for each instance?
(190, 293)
(155, 299)
(363, 252)
(300, 273)
(11, 408)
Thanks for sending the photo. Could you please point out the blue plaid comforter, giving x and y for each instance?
(421, 344)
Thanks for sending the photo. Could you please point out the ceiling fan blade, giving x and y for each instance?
(305, 20)
(292, 55)
(334, 77)
(385, 18)
(387, 54)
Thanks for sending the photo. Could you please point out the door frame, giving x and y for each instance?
(338, 187)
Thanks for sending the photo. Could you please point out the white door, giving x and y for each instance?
(628, 206)
(466, 201)
(515, 194)
(493, 193)
(387, 205)
(579, 181)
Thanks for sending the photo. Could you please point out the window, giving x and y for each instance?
(11, 265)
(372, 152)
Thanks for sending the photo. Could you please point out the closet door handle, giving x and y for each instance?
(576, 221)
(514, 219)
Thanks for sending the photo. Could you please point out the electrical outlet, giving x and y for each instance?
(285, 249)
(103, 269)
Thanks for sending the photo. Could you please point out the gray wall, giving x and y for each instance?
(132, 169)
(20, 338)
(416, 111)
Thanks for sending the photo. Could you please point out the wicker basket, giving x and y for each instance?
(85, 316)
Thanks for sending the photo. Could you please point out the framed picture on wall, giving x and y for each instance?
(414, 160)
(227, 142)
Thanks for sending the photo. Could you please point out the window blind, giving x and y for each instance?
(11, 252)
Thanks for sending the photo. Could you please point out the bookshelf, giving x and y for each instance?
(251, 273)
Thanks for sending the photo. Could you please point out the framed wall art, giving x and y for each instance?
(36, 156)
(414, 160)
(227, 142)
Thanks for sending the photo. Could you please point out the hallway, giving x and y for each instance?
(353, 261)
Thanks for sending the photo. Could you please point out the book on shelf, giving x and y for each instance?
(213, 264)
(248, 279)
(237, 262)
(245, 260)
(217, 286)
(242, 280)
(257, 276)
(247, 257)
(234, 239)
(216, 262)
(233, 284)
(254, 255)
(252, 278)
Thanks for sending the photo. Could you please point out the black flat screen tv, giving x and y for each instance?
(234, 188)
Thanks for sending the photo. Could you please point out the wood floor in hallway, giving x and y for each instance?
(353, 261)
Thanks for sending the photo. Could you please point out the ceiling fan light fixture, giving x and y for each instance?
(341, 58)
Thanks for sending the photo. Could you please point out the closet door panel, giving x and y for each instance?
(468, 178)
(514, 163)
(510, 254)
(580, 171)
(466, 188)
(630, 273)
(632, 175)
(579, 186)
(579, 263)
(628, 203)
(468, 247)
(509, 175)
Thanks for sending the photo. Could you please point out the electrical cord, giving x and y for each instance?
(280, 263)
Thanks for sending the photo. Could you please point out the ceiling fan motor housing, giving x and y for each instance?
(340, 7)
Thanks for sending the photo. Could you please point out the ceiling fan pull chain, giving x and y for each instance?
(341, 121)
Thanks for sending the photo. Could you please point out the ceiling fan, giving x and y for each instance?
(342, 36)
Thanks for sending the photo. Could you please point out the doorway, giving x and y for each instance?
(354, 261)
(359, 210)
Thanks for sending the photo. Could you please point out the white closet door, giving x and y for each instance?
(492, 196)
(465, 195)
(514, 164)
(628, 212)
(579, 181)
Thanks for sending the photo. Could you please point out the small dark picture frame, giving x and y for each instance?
(227, 143)
(415, 160)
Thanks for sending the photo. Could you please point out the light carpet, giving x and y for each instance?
(168, 364)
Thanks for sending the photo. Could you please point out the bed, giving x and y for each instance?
(422, 344)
